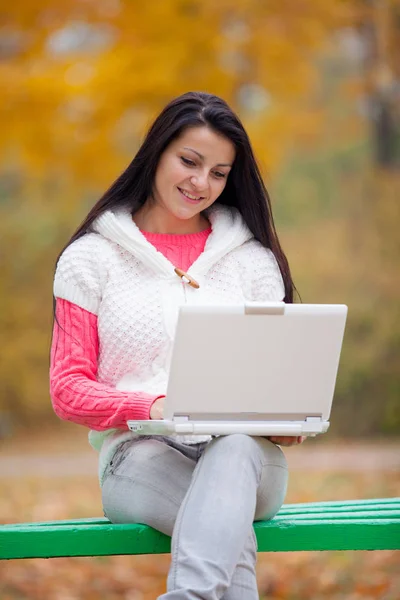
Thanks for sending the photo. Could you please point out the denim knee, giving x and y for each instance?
(242, 444)
(235, 442)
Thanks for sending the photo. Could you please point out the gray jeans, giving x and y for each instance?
(206, 497)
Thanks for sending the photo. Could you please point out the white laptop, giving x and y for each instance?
(258, 369)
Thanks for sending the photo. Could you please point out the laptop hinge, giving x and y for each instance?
(313, 419)
(270, 308)
(181, 419)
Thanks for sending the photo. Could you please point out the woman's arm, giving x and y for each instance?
(75, 392)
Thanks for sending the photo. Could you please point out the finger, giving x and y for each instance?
(283, 440)
(274, 439)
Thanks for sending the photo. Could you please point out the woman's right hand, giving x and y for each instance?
(157, 409)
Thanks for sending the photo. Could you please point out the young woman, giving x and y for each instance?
(192, 199)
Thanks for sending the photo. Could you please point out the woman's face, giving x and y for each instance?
(192, 173)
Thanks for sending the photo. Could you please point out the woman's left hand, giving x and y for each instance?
(286, 440)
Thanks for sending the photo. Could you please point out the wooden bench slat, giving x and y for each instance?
(101, 522)
(383, 514)
(341, 509)
(341, 505)
(274, 536)
(309, 516)
(346, 502)
(68, 523)
(302, 527)
(306, 508)
(386, 511)
(329, 535)
(86, 540)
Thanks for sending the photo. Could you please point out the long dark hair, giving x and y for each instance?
(244, 189)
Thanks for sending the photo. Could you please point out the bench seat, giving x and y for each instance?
(352, 525)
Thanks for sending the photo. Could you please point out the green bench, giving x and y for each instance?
(351, 525)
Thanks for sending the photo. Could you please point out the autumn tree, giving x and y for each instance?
(81, 80)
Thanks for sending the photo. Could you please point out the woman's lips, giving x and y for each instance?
(188, 199)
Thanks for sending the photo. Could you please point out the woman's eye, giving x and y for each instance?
(219, 175)
(187, 161)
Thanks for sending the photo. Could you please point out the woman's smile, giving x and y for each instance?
(190, 197)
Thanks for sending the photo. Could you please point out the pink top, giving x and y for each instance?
(75, 392)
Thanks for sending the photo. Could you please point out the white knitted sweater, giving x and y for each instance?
(115, 273)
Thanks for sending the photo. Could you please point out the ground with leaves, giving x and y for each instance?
(34, 494)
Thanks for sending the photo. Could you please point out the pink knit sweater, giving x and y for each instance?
(75, 392)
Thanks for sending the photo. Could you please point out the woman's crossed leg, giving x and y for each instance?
(206, 497)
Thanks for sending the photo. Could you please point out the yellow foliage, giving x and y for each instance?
(75, 71)
(80, 81)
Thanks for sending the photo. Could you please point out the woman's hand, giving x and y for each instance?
(286, 440)
(157, 409)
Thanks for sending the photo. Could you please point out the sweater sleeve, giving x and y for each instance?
(80, 272)
(75, 392)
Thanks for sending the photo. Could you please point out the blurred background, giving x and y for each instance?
(317, 85)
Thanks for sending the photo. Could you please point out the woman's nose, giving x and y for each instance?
(199, 181)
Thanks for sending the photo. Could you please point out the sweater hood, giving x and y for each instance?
(228, 231)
